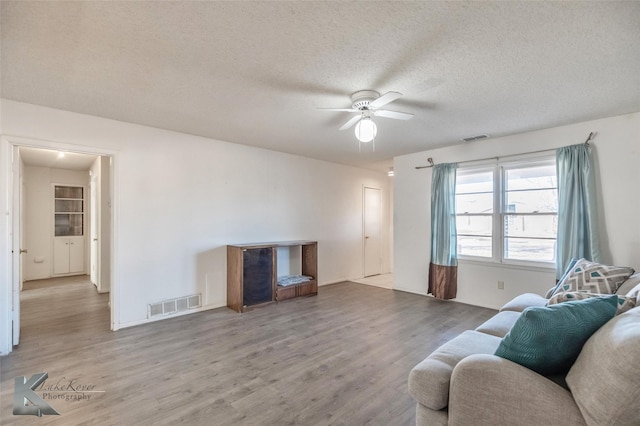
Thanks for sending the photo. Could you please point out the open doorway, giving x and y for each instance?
(62, 220)
(372, 221)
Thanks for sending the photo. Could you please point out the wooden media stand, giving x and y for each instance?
(252, 272)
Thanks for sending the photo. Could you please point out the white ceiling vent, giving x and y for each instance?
(475, 138)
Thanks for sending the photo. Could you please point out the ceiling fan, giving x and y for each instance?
(367, 104)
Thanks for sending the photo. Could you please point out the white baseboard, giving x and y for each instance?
(118, 326)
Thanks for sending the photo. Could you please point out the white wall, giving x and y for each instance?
(179, 199)
(38, 214)
(617, 158)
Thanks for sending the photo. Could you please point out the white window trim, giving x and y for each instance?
(497, 259)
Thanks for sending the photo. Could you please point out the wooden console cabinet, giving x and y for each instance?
(252, 274)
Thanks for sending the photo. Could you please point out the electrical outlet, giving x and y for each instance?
(500, 285)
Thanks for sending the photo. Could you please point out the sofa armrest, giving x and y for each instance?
(489, 390)
(429, 381)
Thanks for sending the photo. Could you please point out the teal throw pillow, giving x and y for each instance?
(548, 339)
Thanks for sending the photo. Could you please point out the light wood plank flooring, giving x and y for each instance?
(341, 358)
(382, 280)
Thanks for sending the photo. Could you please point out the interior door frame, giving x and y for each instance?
(94, 251)
(6, 257)
(17, 237)
(7, 145)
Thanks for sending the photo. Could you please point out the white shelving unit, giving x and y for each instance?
(69, 220)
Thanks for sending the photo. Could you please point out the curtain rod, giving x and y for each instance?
(431, 163)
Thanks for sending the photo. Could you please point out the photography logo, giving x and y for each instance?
(24, 394)
(70, 390)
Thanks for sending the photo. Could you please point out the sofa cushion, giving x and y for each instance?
(593, 277)
(428, 417)
(491, 391)
(429, 380)
(549, 339)
(624, 303)
(524, 301)
(634, 293)
(499, 324)
(605, 379)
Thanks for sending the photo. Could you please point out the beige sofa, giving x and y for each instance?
(463, 383)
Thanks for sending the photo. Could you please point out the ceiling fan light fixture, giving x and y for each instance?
(366, 130)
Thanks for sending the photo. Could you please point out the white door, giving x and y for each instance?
(372, 221)
(16, 249)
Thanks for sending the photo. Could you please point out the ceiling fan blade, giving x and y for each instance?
(392, 114)
(351, 122)
(339, 109)
(384, 99)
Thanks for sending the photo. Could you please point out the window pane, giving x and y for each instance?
(68, 192)
(68, 224)
(474, 203)
(531, 177)
(541, 226)
(543, 200)
(471, 182)
(474, 246)
(68, 206)
(530, 249)
(475, 225)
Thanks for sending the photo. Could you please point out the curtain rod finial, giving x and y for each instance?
(590, 138)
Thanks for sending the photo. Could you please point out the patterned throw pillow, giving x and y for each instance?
(568, 269)
(591, 277)
(624, 303)
(549, 339)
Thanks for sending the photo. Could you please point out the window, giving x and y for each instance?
(474, 212)
(509, 212)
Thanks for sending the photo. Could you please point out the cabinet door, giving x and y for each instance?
(60, 255)
(76, 254)
(257, 276)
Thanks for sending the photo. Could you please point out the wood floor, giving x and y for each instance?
(341, 358)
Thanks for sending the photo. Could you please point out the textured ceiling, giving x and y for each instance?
(255, 72)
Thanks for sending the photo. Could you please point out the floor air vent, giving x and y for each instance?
(174, 306)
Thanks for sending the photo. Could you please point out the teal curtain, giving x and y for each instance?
(444, 249)
(577, 224)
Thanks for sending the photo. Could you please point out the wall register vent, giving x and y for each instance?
(174, 306)
(474, 138)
